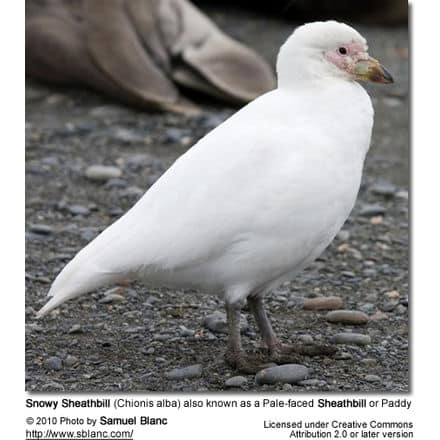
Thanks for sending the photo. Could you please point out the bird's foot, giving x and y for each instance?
(243, 362)
(291, 353)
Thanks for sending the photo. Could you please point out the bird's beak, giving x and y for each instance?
(372, 70)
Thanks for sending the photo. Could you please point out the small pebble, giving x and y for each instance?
(112, 298)
(102, 173)
(347, 317)
(343, 235)
(289, 373)
(52, 386)
(372, 210)
(352, 338)
(372, 378)
(216, 322)
(189, 372)
(369, 272)
(392, 102)
(400, 309)
(70, 361)
(392, 294)
(367, 308)
(323, 303)
(236, 382)
(343, 356)
(384, 189)
(402, 194)
(390, 306)
(54, 363)
(369, 362)
(79, 210)
(306, 339)
(41, 229)
(379, 315)
(127, 136)
(311, 382)
(76, 328)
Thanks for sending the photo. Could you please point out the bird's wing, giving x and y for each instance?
(199, 208)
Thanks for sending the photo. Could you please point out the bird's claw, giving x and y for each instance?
(291, 353)
(244, 363)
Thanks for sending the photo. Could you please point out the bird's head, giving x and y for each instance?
(328, 50)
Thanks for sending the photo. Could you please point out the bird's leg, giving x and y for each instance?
(235, 355)
(256, 306)
(279, 352)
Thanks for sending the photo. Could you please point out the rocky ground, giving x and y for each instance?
(133, 339)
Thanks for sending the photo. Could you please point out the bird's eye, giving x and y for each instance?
(342, 51)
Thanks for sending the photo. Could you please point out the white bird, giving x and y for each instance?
(258, 198)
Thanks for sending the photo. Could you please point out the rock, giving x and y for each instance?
(216, 322)
(33, 327)
(102, 173)
(385, 189)
(347, 317)
(289, 373)
(369, 272)
(306, 339)
(174, 135)
(148, 351)
(70, 361)
(236, 382)
(312, 382)
(54, 363)
(372, 210)
(116, 183)
(378, 316)
(106, 111)
(369, 362)
(367, 308)
(392, 102)
(52, 386)
(127, 136)
(76, 328)
(186, 331)
(376, 220)
(132, 191)
(79, 210)
(392, 294)
(343, 235)
(41, 229)
(189, 372)
(112, 296)
(351, 338)
(372, 378)
(404, 301)
(390, 305)
(323, 303)
(343, 356)
(344, 247)
(400, 309)
(403, 194)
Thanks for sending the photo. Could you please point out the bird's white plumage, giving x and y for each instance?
(253, 202)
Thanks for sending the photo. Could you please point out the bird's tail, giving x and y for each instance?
(82, 275)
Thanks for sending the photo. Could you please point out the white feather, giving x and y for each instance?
(249, 205)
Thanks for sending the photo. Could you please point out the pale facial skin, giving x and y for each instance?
(353, 59)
